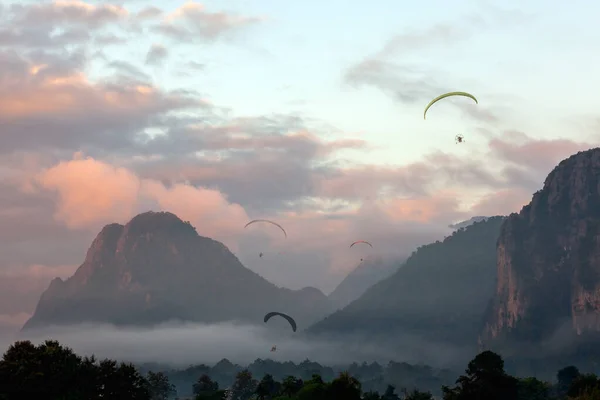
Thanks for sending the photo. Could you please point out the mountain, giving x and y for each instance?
(370, 271)
(548, 262)
(468, 222)
(157, 268)
(440, 293)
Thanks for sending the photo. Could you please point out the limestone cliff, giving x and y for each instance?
(548, 260)
(157, 268)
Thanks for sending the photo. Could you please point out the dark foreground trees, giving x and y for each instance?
(53, 372)
(50, 371)
(344, 387)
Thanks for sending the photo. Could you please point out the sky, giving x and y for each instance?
(309, 114)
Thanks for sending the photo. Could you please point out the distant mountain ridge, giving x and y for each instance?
(439, 294)
(468, 222)
(157, 268)
(370, 271)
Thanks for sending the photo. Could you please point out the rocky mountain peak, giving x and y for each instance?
(157, 268)
(548, 258)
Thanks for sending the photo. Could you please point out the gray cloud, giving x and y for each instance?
(156, 54)
(149, 13)
(192, 23)
(129, 70)
(410, 83)
(54, 25)
(74, 114)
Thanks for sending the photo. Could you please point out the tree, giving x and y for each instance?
(532, 389)
(216, 395)
(485, 379)
(244, 386)
(345, 387)
(52, 371)
(390, 393)
(565, 377)
(589, 394)
(371, 395)
(122, 381)
(291, 385)
(583, 384)
(267, 387)
(159, 386)
(314, 389)
(205, 384)
(418, 395)
(48, 370)
(315, 379)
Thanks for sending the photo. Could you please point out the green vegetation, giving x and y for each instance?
(53, 372)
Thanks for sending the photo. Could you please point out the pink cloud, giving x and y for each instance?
(91, 193)
(14, 320)
(191, 20)
(541, 155)
(438, 207)
(72, 12)
(503, 202)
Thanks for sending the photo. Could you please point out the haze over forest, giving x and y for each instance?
(225, 113)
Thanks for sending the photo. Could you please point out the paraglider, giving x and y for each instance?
(269, 222)
(432, 102)
(361, 241)
(459, 139)
(287, 317)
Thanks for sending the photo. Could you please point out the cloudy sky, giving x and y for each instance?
(308, 113)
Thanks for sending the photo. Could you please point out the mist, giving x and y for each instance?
(184, 344)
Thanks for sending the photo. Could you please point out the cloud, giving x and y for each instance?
(55, 24)
(191, 22)
(405, 81)
(76, 113)
(539, 155)
(149, 13)
(503, 202)
(397, 70)
(130, 71)
(156, 54)
(83, 203)
(180, 345)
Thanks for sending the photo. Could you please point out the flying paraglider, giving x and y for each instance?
(267, 221)
(361, 241)
(459, 139)
(432, 102)
(287, 317)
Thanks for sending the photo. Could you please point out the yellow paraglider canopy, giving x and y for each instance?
(432, 102)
